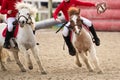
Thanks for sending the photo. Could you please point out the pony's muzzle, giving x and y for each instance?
(22, 20)
(21, 23)
(77, 33)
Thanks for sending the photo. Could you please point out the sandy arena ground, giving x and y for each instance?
(59, 65)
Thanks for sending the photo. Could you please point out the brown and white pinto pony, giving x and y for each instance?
(82, 41)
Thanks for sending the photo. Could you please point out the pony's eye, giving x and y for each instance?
(78, 19)
(72, 24)
(70, 27)
(28, 14)
(79, 22)
(71, 21)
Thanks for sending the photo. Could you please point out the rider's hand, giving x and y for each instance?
(58, 20)
(9, 11)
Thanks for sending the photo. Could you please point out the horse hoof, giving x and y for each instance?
(91, 70)
(100, 72)
(30, 67)
(4, 69)
(23, 70)
(44, 73)
(78, 64)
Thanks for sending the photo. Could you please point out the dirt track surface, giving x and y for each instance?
(59, 65)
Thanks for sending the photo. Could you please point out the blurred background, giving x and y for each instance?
(107, 21)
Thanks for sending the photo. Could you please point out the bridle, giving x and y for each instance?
(75, 27)
(28, 20)
(71, 29)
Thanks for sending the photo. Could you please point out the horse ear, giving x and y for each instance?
(33, 12)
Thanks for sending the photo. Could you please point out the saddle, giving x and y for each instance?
(13, 42)
(15, 31)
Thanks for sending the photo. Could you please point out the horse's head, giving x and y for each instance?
(75, 21)
(25, 13)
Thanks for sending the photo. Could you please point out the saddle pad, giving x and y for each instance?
(15, 32)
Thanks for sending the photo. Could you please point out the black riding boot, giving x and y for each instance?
(7, 40)
(95, 37)
(71, 48)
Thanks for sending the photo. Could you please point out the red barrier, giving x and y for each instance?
(108, 21)
(111, 4)
(107, 25)
(108, 14)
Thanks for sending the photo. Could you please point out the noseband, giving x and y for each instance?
(27, 19)
(72, 29)
(72, 26)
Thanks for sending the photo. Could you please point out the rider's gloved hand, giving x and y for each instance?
(9, 11)
(58, 20)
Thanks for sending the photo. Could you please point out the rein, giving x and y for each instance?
(61, 27)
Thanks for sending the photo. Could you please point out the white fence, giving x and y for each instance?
(38, 2)
(42, 13)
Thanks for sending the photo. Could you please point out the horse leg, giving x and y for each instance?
(15, 54)
(30, 65)
(9, 58)
(94, 58)
(27, 56)
(35, 54)
(77, 60)
(3, 58)
(85, 59)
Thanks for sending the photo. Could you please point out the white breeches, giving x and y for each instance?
(86, 22)
(10, 23)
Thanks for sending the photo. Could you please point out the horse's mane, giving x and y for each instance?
(73, 10)
(32, 9)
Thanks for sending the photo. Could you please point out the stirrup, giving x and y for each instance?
(7, 46)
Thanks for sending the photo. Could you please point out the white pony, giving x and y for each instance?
(25, 38)
(82, 41)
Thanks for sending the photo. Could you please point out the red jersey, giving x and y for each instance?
(0, 2)
(9, 5)
(64, 6)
